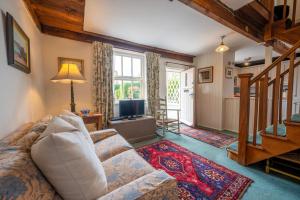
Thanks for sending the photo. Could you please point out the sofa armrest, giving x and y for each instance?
(102, 134)
(156, 185)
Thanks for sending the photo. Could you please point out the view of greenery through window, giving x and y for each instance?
(173, 87)
(128, 77)
(130, 90)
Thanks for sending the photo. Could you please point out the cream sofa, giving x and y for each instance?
(128, 175)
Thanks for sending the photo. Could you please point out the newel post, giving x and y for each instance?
(244, 116)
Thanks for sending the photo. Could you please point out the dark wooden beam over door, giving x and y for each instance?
(224, 15)
(85, 36)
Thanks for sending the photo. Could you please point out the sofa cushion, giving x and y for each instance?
(77, 122)
(19, 177)
(124, 168)
(69, 163)
(102, 134)
(155, 185)
(25, 135)
(111, 146)
(27, 141)
(13, 138)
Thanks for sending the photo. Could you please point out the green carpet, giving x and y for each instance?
(265, 186)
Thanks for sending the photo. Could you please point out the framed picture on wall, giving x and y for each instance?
(78, 62)
(228, 72)
(18, 45)
(205, 75)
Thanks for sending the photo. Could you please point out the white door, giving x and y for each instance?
(187, 97)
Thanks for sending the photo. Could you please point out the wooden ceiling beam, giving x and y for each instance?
(33, 14)
(224, 15)
(56, 22)
(55, 13)
(260, 8)
(85, 36)
(64, 18)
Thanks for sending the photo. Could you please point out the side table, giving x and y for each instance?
(93, 118)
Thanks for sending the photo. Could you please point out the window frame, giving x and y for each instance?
(142, 79)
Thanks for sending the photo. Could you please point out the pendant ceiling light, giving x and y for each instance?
(247, 61)
(222, 47)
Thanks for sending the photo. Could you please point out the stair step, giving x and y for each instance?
(292, 124)
(296, 118)
(256, 146)
(274, 137)
(281, 131)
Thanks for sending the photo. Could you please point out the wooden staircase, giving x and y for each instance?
(266, 138)
(263, 143)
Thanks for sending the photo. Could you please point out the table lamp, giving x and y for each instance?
(69, 73)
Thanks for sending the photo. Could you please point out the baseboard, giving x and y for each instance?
(213, 129)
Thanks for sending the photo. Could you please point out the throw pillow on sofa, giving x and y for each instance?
(77, 122)
(68, 163)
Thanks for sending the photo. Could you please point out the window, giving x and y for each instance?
(173, 88)
(128, 74)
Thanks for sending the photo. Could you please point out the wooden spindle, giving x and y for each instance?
(280, 99)
(275, 98)
(294, 12)
(284, 9)
(255, 112)
(290, 88)
(244, 117)
(264, 111)
(261, 98)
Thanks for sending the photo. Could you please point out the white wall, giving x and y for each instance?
(210, 96)
(58, 95)
(22, 95)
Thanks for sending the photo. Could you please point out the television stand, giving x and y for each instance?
(137, 129)
(134, 117)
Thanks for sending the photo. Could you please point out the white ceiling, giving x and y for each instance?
(236, 4)
(160, 23)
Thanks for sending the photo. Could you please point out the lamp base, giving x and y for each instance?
(73, 105)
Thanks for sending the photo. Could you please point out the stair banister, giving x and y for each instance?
(244, 117)
(285, 72)
(276, 62)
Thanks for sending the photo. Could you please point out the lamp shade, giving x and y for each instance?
(68, 73)
(222, 48)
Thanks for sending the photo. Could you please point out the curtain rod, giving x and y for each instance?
(179, 64)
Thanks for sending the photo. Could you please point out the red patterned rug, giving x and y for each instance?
(198, 178)
(214, 138)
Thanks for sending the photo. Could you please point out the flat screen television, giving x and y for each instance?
(131, 108)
